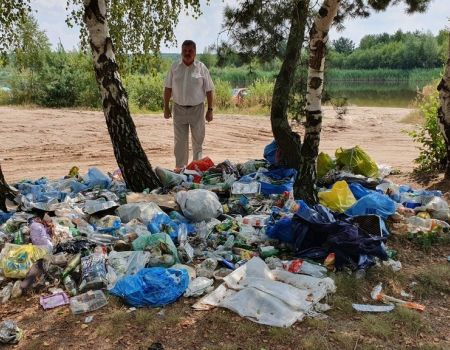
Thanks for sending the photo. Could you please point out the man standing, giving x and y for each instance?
(188, 83)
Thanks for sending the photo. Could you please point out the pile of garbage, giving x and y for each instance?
(232, 232)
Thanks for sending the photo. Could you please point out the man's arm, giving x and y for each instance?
(210, 99)
(167, 96)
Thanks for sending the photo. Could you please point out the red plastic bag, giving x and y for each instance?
(200, 166)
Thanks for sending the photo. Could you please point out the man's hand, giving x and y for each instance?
(167, 113)
(209, 116)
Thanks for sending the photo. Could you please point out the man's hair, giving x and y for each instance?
(189, 43)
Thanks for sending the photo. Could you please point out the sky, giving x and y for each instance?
(207, 29)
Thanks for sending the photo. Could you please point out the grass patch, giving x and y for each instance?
(315, 323)
(280, 334)
(377, 326)
(410, 320)
(113, 327)
(345, 341)
(315, 341)
(433, 281)
(144, 317)
(392, 281)
(348, 286)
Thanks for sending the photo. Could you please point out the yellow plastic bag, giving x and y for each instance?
(339, 198)
(357, 161)
(18, 260)
(324, 164)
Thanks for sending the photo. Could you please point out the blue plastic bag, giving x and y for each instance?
(281, 229)
(161, 222)
(374, 203)
(153, 287)
(270, 153)
(359, 190)
(95, 178)
(274, 181)
(5, 216)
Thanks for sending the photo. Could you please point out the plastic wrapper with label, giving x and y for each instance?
(93, 272)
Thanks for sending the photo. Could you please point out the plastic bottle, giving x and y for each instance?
(70, 285)
(76, 260)
(18, 237)
(229, 242)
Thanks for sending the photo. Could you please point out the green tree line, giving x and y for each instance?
(33, 73)
(401, 50)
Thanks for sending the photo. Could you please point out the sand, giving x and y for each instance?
(39, 142)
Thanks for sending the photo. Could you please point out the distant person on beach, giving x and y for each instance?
(188, 82)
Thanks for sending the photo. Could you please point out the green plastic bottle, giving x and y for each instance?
(18, 237)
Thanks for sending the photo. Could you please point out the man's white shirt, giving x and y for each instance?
(189, 84)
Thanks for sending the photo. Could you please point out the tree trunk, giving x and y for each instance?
(288, 141)
(305, 185)
(130, 156)
(5, 192)
(444, 109)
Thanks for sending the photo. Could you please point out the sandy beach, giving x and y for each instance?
(48, 142)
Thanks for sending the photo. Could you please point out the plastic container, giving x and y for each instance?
(87, 302)
(54, 300)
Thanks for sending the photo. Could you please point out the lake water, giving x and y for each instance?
(375, 94)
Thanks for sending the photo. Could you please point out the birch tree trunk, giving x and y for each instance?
(444, 109)
(130, 156)
(305, 185)
(288, 141)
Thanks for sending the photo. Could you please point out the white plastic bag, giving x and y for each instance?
(198, 205)
(142, 211)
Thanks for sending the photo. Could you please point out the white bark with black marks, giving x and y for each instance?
(130, 156)
(318, 38)
(444, 108)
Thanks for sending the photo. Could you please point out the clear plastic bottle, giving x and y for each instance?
(70, 285)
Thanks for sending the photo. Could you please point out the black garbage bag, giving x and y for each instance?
(318, 231)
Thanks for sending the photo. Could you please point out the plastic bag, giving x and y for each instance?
(95, 178)
(39, 236)
(161, 222)
(359, 190)
(9, 332)
(324, 164)
(198, 286)
(357, 161)
(271, 153)
(339, 198)
(281, 229)
(97, 205)
(126, 263)
(168, 178)
(200, 166)
(93, 272)
(198, 205)
(374, 203)
(153, 287)
(252, 166)
(18, 260)
(275, 181)
(142, 211)
(158, 241)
